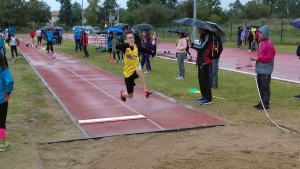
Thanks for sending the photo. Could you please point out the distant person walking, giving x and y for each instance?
(14, 42)
(84, 41)
(32, 34)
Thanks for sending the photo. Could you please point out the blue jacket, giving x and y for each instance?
(77, 33)
(1, 41)
(49, 36)
(109, 42)
(6, 83)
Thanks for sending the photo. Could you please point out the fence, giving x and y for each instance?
(280, 30)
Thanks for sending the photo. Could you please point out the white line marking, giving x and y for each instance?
(111, 119)
(99, 88)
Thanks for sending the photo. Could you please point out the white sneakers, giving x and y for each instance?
(179, 78)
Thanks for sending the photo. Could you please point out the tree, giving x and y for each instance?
(76, 14)
(91, 12)
(65, 12)
(256, 9)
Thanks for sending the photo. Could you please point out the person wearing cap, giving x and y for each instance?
(264, 66)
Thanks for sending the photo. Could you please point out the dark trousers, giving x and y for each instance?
(3, 114)
(204, 81)
(114, 54)
(13, 49)
(154, 47)
(77, 45)
(59, 40)
(49, 46)
(86, 53)
(142, 57)
(147, 61)
(188, 50)
(39, 40)
(263, 82)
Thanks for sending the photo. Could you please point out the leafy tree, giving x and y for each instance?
(256, 9)
(91, 12)
(76, 13)
(65, 12)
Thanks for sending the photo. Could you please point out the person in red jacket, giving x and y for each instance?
(84, 40)
(32, 34)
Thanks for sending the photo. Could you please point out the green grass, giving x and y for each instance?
(238, 90)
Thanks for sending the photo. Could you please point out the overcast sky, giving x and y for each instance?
(56, 6)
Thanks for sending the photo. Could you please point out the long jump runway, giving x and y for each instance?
(89, 94)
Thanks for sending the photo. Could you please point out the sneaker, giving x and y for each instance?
(5, 147)
(148, 94)
(147, 71)
(214, 86)
(297, 97)
(260, 107)
(249, 50)
(122, 97)
(12, 59)
(48, 52)
(179, 78)
(206, 101)
(200, 100)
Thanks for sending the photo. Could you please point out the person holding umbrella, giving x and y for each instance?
(203, 63)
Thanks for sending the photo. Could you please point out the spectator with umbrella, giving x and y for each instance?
(203, 62)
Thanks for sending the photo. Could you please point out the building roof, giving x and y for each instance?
(54, 13)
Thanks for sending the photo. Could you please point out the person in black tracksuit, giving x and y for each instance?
(203, 63)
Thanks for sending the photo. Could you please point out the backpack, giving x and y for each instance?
(298, 51)
(215, 47)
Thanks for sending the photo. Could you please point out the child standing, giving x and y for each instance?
(180, 54)
(115, 51)
(14, 42)
(109, 46)
(131, 65)
(84, 40)
(6, 87)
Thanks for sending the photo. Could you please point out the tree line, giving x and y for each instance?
(20, 13)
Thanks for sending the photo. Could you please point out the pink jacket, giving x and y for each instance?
(266, 51)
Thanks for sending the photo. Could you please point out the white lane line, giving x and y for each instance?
(111, 119)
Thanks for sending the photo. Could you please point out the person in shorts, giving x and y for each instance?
(132, 69)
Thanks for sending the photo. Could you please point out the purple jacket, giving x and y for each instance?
(148, 43)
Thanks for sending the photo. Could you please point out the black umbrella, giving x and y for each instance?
(48, 27)
(178, 30)
(121, 25)
(219, 30)
(254, 26)
(195, 22)
(142, 26)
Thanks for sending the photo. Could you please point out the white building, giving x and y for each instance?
(54, 17)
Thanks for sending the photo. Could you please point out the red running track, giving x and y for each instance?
(286, 68)
(87, 92)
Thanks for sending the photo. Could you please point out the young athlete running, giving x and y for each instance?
(132, 70)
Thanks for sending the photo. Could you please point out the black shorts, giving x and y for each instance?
(109, 50)
(129, 81)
